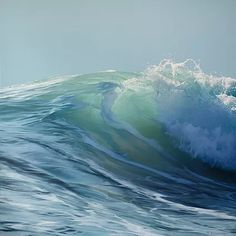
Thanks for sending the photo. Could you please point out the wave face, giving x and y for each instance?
(116, 153)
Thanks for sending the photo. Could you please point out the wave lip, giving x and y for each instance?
(198, 111)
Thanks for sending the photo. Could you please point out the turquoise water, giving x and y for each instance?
(114, 153)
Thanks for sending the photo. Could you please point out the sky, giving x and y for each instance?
(46, 38)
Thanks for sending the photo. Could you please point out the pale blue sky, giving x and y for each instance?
(45, 38)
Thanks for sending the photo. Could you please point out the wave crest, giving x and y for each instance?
(198, 110)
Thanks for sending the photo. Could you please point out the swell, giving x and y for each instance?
(172, 112)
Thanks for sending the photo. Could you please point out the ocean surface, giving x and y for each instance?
(114, 153)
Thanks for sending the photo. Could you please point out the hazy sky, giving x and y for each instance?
(45, 38)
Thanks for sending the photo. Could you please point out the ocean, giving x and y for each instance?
(117, 153)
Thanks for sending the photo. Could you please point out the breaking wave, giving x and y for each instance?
(120, 153)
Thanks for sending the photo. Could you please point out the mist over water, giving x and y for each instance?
(109, 154)
(42, 39)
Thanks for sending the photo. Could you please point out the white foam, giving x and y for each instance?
(197, 109)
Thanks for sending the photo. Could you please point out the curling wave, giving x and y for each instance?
(120, 153)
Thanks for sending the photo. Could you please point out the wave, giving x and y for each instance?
(197, 110)
(173, 107)
(163, 135)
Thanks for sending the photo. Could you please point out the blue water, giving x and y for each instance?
(114, 153)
